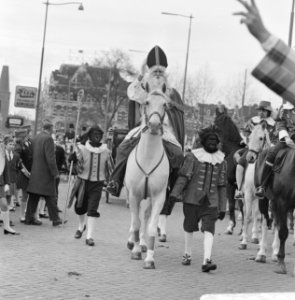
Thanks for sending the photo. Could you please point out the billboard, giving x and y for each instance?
(25, 96)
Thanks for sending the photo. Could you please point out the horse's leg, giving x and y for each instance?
(241, 208)
(144, 215)
(261, 255)
(275, 244)
(231, 206)
(291, 218)
(134, 229)
(247, 220)
(157, 205)
(162, 228)
(283, 234)
(256, 221)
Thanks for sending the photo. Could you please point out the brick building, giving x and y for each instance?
(59, 97)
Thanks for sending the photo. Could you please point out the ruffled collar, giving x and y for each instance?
(206, 157)
(96, 150)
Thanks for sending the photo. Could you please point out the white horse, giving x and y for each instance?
(258, 141)
(147, 173)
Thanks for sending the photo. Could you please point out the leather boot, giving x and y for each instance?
(176, 194)
(266, 173)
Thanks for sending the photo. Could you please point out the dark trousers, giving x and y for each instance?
(33, 204)
(91, 199)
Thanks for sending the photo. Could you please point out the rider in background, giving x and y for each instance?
(286, 131)
(264, 114)
(153, 76)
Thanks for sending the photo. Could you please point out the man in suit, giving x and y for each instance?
(43, 177)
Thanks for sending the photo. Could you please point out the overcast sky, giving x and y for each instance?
(217, 38)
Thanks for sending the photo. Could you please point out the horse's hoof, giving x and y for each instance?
(243, 246)
(149, 265)
(143, 248)
(130, 245)
(260, 258)
(274, 257)
(255, 241)
(229, 231)
(281, 269)
(163, 238)
(136, 255)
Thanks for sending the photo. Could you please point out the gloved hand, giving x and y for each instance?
(73, 157)
(221, 215)
(6, 188)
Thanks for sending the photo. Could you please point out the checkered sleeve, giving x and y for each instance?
(277, 71)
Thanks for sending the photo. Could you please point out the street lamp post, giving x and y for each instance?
(47, 3)
(187, 48)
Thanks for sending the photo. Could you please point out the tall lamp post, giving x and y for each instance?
(47, 3)
(187, 48)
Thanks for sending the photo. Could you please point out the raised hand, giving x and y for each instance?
(252, 19)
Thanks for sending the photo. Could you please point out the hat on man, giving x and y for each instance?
(157, 57)
(93, 129)
(47, 124)
(204, 133)
(8, 139)
(266, 105)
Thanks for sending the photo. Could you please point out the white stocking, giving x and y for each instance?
(90, 226)
(208, 245)
(188, 240)
(6, 221)
(81, 222)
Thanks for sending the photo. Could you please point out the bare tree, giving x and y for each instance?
(200, 86)
(119, 66)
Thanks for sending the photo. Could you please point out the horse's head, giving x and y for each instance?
(258, 141)
(154, 109)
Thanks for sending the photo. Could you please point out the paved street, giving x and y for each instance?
(48, 263)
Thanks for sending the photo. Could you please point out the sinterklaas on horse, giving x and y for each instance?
(147, 173)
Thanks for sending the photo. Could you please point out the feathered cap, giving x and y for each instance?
(93, 129)
(204, 133)
(157, 57)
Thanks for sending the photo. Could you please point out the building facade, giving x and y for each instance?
(105, 93)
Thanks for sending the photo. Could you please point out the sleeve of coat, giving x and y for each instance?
(276, 71)
(136, 91)
(50, 156)
(187, 169)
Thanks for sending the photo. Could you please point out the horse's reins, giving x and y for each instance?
(147, 118)
(147, 174)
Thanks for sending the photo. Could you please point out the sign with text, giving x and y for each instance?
(25, 96)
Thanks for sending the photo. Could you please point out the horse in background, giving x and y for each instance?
(258, 141)
(146, 178)
(231, 142)
(281, 191)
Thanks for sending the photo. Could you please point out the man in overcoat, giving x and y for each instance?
(44, 173)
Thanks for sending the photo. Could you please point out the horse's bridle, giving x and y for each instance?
(257, 152)
(147, 118)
